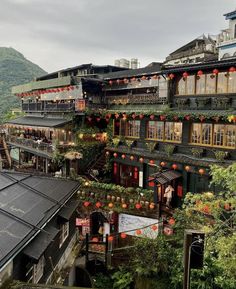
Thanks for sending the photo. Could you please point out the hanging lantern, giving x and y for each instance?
(171, 221)
(133, 115)
(154, 227)
(174, 166)
(171, 76)
(98, 119)
(141, 116)
(162, 117)
(98, 205)
(141, 160)
(185, 74)
(86, 204)
(110, 205)
(124, 206)
(143, 77)
(152, 116)
(95, 239)
(123, 156)
(107, 153)
(187, 117)
(163, 164)
(131, 158)
(151, 162)
(123, 235)
(215, 71)
(115, 155)
(138, 206)
(187, 168)
(89, 118)
(152, 206)
(201, 171)
(232, 69)
(154, 77)
(202, 118)
(133, 78)
(138, 232)
(118, 81)
(110, 238)
(199, 73)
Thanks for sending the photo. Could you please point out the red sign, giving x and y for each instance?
(79, 104)
(82, 222)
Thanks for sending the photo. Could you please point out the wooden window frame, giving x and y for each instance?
(64, 233)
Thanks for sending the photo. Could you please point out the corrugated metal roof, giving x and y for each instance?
(39, 121)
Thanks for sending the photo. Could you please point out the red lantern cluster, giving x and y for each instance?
(39, 92)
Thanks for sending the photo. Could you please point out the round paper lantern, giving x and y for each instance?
(151, 162)
(124, 206)
(154, 227)
(187, 168)
(138, 206)
(232, 69)
(185, 74)
(174, 166)
(131, 158)
(162, 164)
(141, 160)
(141, 116)
(143, 77)
(171, 221)
(138, 232)
(171, 76)
(215, 71)
(86, 204)
(115, 155)
(201, 171)
(152, 116)
(110, 205)
(154, 77)
(110, 238)
(123, 156)
(98, 205)
(152, 206)
(107, 153)
(200, 72)
(133, 115)
(94, 239)
(123, 235)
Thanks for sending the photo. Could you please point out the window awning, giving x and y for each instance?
(39, 245)
(166, 176)
(69, 209)
(38, 121)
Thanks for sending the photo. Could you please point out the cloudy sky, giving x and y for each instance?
(57, 34)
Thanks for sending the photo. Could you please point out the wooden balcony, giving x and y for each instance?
(48, 107)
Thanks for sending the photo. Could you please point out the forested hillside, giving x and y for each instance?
(14, 69)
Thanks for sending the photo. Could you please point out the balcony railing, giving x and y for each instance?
(137, 99)
(44, 147)
(48, 107)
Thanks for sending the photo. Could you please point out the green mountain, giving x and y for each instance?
(15, 69)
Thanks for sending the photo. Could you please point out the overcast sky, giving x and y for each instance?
(57, 34)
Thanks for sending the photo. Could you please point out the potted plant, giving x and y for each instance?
(169, 149)
(197, 152)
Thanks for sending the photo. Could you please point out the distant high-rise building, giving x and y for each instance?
(123, 62)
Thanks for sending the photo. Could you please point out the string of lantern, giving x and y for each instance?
(133, 79)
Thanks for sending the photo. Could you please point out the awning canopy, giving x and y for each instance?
(69, 209)
(166, 176)
(38, 121)
(39, 245)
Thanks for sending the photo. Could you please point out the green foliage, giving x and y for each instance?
(169, 149)
(220, 155)
(15, 69)
(197, 152)
(102, 281)
(151, 146)
(122, 279)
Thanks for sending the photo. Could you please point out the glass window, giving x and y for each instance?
(196, 133)
(210, 83)
(218, 137)
(155, 130)
(206, 133)
(232, 82)
(190, 84)
(200, 84)
(173, 131)
(133, 128)
(64, 233)
(181, 88)
(163, 88)
(222, 82)
(38, 270)
(230, 136)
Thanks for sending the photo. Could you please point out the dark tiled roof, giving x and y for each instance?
(153, 68)
(39, 121)
(27, 203)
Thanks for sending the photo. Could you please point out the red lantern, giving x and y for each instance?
(232, 69)
(200, 72)
(171, 221)
(141, 160)
(154, 227)
(118, 81)
(110, 205)
(174, 166)
(144, 77)
(98, 205)
(124, 206)
(152, 116)
(95, 240)
(187, 168)
(154, 77)
(162, 164)
(98, 119)
(201, 171)
(152, 206)
(86, 204)
(138, 232)
(171, 76)
(133, 79)
(115, 155)
(215, 71)
(117, 115)
(187, 117)
(202, 118)
(162, 117)
(133, 115)
(131, 158)
(107, 154)
(123, 156)
(110, 238)
(151, 162)
(138, 206)
(123, 235)
(141, 116)
(185, 74)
